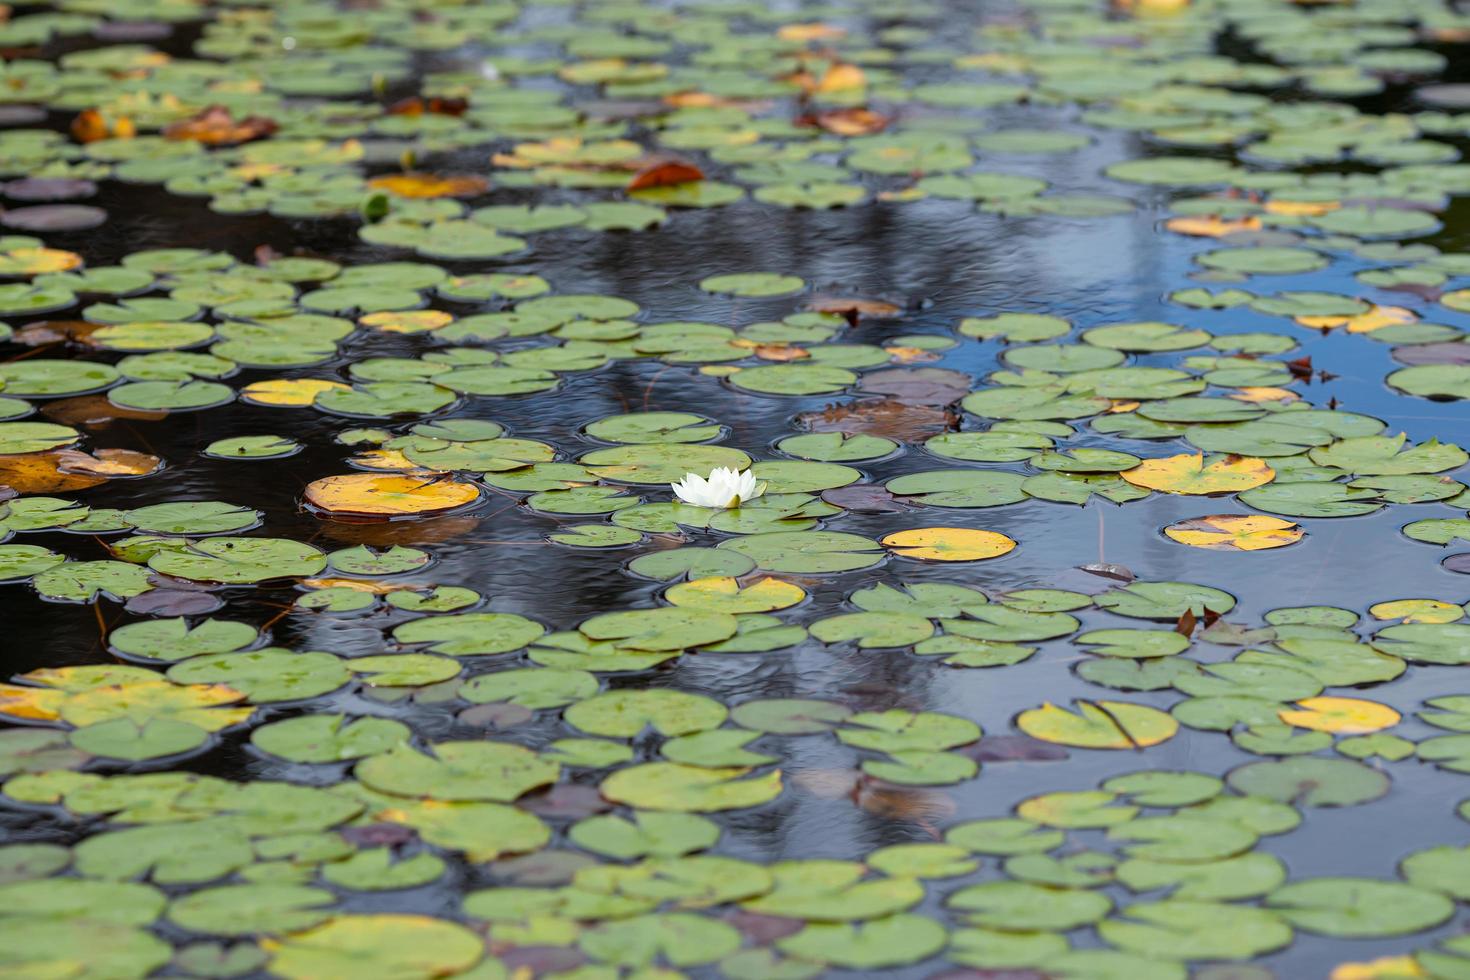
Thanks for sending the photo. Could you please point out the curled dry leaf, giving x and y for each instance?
(108, 463)
(848, 122)
(853, 308)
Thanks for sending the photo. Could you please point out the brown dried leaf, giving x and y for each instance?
(882, 417)
(108, 463)
(664, 172)
(216, 126)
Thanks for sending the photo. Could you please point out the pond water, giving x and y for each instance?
(352, 629)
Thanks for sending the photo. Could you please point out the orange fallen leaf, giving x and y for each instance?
(781, 352)
(841, 77)
(437, 106)
(1302, 209)
(810, 32)
(664, 173)
(1212, 227)
(217, 126)
(848, 122)
(386, 459)
(90, 125)
(355, 584)
(1253, 394)
(108, 463)
(910, 355)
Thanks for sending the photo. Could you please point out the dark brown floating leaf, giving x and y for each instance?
(621, 110)
(1449, 352)
(762, 930)
(865, 498)
(664, 173)
(44, 332)
(567, 800)
(21, 115)
(543, 868)
(93, 410)
(919, 386)
(171, 602)
(852, 308)
(54, 217)
(216, 126)
(1452, 96)
(132, 31)
(1186, 624)
(497, 716)
(1458, 563)
(926, 809)
(437, 106)
(882, 417)
(539, 960)
(161, 582)
(411, 533)
(49, 189)
(1014, 748)
(378, 834)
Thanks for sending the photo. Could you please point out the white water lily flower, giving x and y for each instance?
(724, 488)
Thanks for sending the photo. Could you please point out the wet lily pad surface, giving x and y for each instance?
(1100, 612)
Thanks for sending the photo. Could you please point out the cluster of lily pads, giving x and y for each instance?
(480, 789)
(622, 881)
